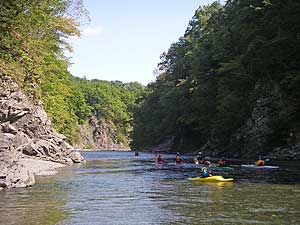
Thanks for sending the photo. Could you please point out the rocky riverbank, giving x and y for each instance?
(26, 132)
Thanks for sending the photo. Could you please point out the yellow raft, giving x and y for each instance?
(212, 179)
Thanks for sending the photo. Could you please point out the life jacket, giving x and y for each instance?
(160, 159)
(205, 172)
(178, 159)
(201, 161)
(221, 163)
(260, 162)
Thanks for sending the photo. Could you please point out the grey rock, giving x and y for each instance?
(26, 131)
(16, 176)
(99, 134)
(20, 139)
(8, 128)
(76, 157)
(30, 149)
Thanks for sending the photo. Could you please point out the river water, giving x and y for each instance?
(120, 188)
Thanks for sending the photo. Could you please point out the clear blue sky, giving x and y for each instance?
(125, 38)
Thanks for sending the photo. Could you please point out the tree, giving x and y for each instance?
(32, 34)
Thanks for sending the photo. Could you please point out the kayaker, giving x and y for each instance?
(199, 159)
(260, 162)
(205, 170)
(160, 159)
(221, 162)
(178, 158)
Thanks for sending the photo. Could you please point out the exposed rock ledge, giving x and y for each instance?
(25, 131)
(100, 135)
(41, 167)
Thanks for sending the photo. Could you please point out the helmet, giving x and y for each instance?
(207, 163)
(200, 153)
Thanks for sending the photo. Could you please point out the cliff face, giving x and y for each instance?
(253, 138)
(25, 131)
(100, 135)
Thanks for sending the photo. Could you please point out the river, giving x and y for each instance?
(120, 188)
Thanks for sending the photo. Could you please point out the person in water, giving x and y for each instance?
(160, 159)
(199, 159)
(205, 170)
(178, 158)
(260, 162)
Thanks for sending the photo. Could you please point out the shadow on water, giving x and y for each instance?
(120, 188)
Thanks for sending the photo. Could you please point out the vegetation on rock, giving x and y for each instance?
(71, 101)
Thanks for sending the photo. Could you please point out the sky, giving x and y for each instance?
(125, 38)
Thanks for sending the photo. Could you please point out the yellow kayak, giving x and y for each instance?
(212, 179)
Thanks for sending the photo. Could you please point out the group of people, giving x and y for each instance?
(206, 170)
(201, 159)
(159, 159)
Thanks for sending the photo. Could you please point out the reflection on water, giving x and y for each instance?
(119, 188)
(39, 205)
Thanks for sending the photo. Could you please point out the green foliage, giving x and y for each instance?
(65, 104)
(71, 101)
(112, 101)
(32, 39)
(208, 80)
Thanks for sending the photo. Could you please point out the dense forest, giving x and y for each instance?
(33, 41)
(230, 85)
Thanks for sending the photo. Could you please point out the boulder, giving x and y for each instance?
(8, 128)
(30, 149)
(15, 175)
(76, 157)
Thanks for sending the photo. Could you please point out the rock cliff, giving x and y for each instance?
(100, 135)
(252, 139)
(25, 131)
